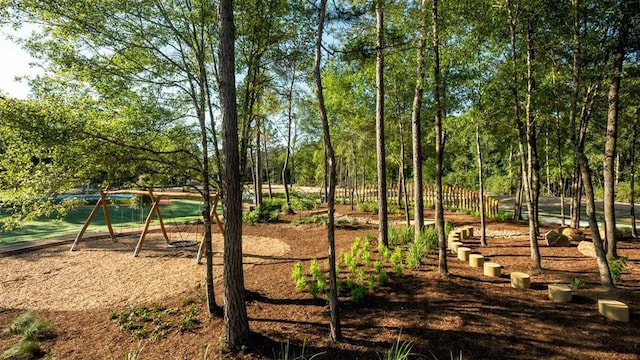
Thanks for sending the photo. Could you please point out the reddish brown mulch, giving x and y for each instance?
(462, 312)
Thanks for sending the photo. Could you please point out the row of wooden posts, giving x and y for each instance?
(453, 197)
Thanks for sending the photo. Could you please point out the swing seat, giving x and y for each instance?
(182, 244)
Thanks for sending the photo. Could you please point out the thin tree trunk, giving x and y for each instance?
(533, 164)
(416, 126)
(235, 314)
(266, 162)
(437, 94)
(573, 113)
(335, 331)
(383, 235)
(634, 143)
(258, 164)
(483, 225)
(585, 172)
(612, 137)
(285, 165)
(517, 204)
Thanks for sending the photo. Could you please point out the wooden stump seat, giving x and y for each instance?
(476, 260)
(614, 310)
(520, 280)
(463, 253)
(454, 246)
(492, 269)
(560, 293)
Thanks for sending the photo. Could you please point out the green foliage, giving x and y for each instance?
(31, 326)
(298, 277)
(190, 320)
(25, 349)
(261, 214)
(396, 261)
(400, 350)
(368, 206)
(358, 293)
(315, 219)
(393, 236)
(406, 234)
(286, 353)
(617, 267)
(575, 283)
(152, 322)
(300, 201)
(368, 238)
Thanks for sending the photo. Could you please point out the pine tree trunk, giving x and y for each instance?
(483, 225)
(416, 125)
(632, 209)
(383, 235)
(611, 143)
(533, 164)
(235, 315)
(437, 94)
(335, 331)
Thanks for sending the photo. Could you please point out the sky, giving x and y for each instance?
(14, 62)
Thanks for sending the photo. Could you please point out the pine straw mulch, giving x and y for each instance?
(464, 312)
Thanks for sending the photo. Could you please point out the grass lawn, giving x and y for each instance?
(122, 218)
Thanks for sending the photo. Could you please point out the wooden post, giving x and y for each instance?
(154, 206)
(101, 202)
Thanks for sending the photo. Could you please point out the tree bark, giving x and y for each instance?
(634, 145)
(483, 225)
(437, 94)
(383, 235)
(416, 126)
(285, 165)
(532, 151)
(335, 331)
(612, 137)
(235, 314)
(585, 172)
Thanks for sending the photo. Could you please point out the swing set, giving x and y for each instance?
(156, 199)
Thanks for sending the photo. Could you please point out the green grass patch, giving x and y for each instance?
(122, 217)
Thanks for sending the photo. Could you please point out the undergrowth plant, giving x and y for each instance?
(298, 277)
(617, 267)
(32, 328)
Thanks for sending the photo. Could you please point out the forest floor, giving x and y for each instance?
(91, 294)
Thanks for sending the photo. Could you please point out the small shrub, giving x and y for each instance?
(575, 283)
(406, 234)
(316, 219)
(31, 327)
(396, 261)
(617, 267)
(25, 349)
(298, 277)
(358, 293)
(262, 214)
(190, 320)
(399, 351)
(393, 236)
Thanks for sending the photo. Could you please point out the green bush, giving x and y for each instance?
(298, 277)
(617, 267)
(261, 214)
(316, 219)
(25, 349)
(31, 327)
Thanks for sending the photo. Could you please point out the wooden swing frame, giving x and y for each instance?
(155, 209)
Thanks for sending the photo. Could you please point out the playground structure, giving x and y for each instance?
(156, 198)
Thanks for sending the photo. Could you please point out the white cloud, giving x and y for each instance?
(14, 62)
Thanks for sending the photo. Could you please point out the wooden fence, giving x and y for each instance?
(452, 197)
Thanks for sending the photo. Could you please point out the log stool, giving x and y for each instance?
(463, 253)
(520, 280)
(454, 246)
(491, 269)
(560, 293)
(476, 260)
(614, 310)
